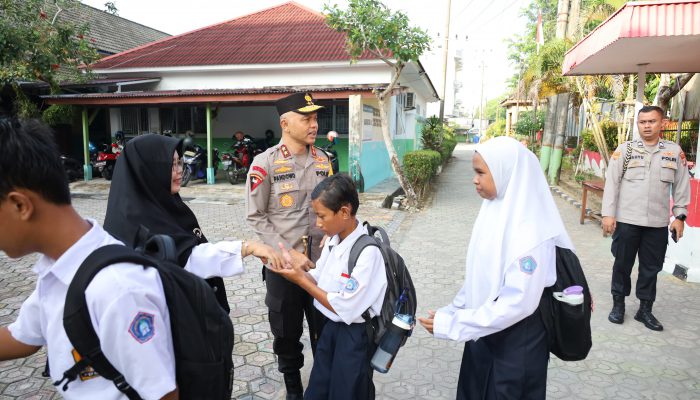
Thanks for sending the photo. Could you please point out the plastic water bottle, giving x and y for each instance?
(390, 342)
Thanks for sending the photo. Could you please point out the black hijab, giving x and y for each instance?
(140, 195)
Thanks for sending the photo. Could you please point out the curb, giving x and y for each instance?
(574, 202)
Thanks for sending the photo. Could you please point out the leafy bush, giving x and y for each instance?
(448, 146)
(57, 114)
(498, 128)
(529, 123)
(432, 134)
(609, 131)
(420, 166)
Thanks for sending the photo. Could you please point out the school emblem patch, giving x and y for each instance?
(286, 200)
(351, 285)
(142, 327)
(527, 265)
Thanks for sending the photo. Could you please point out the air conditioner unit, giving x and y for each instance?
(410, 101)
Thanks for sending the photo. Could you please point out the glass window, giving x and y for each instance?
(130, 120)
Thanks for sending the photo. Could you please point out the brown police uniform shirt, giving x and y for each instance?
(278, 196)
(642, 196)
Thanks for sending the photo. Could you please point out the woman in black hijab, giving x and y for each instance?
(144, 192)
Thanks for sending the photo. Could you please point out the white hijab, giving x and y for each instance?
(521, 217)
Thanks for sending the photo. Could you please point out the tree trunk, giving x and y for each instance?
(562, 112)
(549, 132)
(667, 91)
(393, 157)
(598, 136)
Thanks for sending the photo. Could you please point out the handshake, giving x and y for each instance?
(283, 259)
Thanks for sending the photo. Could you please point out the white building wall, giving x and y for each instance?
(349, 75)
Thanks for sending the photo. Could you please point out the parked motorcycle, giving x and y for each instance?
(107, 158)
(237, 163)
(195, 159)
(330, 151)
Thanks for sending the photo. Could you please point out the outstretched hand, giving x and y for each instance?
(428, 322)
(267, 255)
(295, 265)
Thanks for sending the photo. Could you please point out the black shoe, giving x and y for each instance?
(295, 390)
(645, 316)
(617, 315)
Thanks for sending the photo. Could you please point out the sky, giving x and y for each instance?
(477, 27)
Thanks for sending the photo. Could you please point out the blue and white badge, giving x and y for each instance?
(351, 285)
(528, 265)
(142, 327)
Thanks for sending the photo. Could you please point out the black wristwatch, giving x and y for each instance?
(681, 217)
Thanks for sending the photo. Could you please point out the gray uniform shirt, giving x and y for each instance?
(642, 196)
(278, 197)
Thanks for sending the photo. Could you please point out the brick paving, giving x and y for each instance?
(627, 361)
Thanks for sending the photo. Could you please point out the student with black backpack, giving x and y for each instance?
(341, 369)
(510, 260)
(127, 305)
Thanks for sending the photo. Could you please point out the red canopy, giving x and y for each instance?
(664, 36)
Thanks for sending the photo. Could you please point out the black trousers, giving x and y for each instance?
(510, 364)
(628, 242)
(287, 304)
(341, 368)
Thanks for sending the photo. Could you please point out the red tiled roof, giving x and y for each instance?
(288, 33)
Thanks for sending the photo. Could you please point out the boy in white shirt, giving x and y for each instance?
(341, 367)
(126, 301)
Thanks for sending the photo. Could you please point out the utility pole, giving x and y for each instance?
(562, 18)
(481, 101)
(444, 62)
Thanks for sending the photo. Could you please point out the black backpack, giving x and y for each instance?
(202, 332)
(568, 326)
(400, 294)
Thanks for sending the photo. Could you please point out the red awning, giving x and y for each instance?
(664, 36)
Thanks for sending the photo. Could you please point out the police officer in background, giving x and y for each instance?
(641, 175)
(279, 186)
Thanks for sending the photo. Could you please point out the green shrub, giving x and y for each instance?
(498, 128)
(609, 132)
(529, 123)
(432, 134)
(448, 146)
(420, 166)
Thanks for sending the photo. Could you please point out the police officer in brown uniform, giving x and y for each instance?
(279, 186)
(641, 176)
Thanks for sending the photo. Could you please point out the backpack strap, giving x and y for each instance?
(626, 162)
(77, 322)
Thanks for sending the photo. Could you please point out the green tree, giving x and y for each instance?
(371, 27)
(37, 45)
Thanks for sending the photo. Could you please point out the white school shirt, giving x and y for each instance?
(128, 311)
(350, 296)
(519, 296)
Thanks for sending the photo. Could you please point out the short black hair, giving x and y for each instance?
(29, 159)
(647, 109)
(336, 191)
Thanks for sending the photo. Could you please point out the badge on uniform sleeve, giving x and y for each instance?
(527, 265)
(142, 327)
(255, 180)
(616, 155)
(261, 170)
(351, 285)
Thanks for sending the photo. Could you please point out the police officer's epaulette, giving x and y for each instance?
(317, 153)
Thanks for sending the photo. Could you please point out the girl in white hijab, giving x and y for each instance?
(510, 260)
